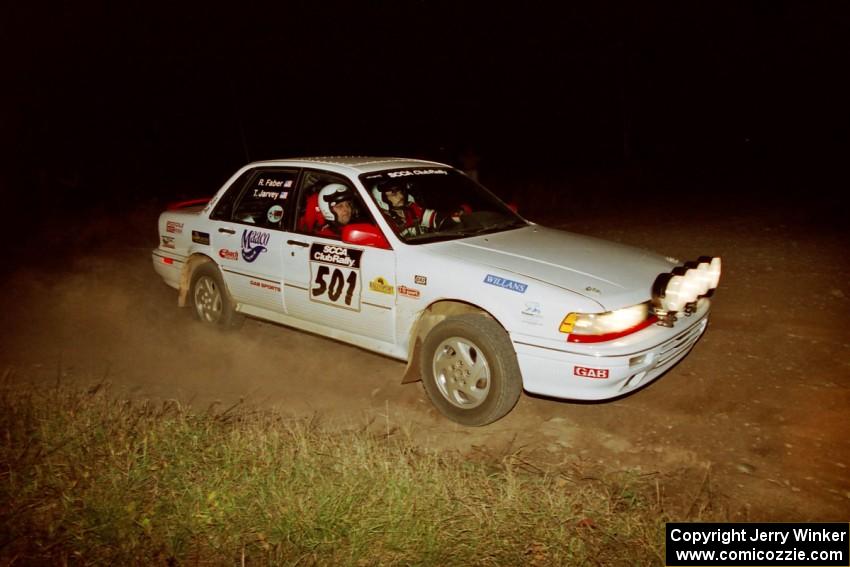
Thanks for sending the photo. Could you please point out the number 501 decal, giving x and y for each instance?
(334, 286)
(335, 276)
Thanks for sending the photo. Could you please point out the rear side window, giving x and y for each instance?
(258, 198)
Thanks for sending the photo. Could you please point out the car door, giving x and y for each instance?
(247, 236)
(342, 286)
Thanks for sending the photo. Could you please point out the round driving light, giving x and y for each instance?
(703, 276)
(673, 296)
(714, 270)
(690, 286)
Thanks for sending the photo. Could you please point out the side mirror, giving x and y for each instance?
(364, 234)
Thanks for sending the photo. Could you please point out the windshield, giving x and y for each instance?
(429, 204)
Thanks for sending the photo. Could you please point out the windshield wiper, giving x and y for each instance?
(492, 228)
(463, 233)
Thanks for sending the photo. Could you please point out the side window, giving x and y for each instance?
(262, 200)
(309, 216)
(224, 207)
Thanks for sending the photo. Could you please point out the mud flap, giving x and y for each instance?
(411, 373)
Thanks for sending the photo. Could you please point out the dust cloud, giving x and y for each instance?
(759, 407)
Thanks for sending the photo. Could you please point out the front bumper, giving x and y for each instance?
(607, 371)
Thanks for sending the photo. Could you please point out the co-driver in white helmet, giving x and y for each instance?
(410, 218)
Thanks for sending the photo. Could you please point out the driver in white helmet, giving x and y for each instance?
(398, 204)
(336, 203)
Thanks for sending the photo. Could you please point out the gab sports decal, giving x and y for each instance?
(335, 275)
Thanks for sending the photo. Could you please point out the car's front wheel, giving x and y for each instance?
(211, 303)
(469, 369)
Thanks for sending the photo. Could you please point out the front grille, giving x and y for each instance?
(679, 343)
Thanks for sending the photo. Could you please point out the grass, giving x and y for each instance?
(88, 478)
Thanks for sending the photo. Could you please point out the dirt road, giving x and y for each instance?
(755, 420)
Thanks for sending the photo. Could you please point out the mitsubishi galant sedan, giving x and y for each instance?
(414, 260)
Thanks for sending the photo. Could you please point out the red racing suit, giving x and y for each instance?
(412, 219)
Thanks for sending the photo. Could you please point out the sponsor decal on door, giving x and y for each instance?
(335, 275)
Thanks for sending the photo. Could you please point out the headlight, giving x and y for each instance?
(671, 292)
(598, 327)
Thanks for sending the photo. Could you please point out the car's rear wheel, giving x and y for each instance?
(211, 303)
(469, 369)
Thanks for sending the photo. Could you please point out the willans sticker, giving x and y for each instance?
(505, 283)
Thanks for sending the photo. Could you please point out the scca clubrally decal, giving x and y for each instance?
(335, 275)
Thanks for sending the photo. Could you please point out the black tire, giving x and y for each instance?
(210, 300)
(469, 369)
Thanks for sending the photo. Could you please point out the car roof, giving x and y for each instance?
(353, 164)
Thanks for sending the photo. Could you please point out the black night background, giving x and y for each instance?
(133, 100)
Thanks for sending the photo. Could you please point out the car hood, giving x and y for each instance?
(613, 275)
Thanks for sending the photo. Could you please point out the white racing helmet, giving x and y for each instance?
(379, 193)
(332, 194)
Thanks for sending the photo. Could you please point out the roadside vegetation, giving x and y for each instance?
(89, 478)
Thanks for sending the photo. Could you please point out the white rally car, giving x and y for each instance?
(414, 260)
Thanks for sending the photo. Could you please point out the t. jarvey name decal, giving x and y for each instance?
(335, 275)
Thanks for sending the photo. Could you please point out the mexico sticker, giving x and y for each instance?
(335, 275)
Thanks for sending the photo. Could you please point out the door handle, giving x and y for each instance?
(227, 230)
(297, 243)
